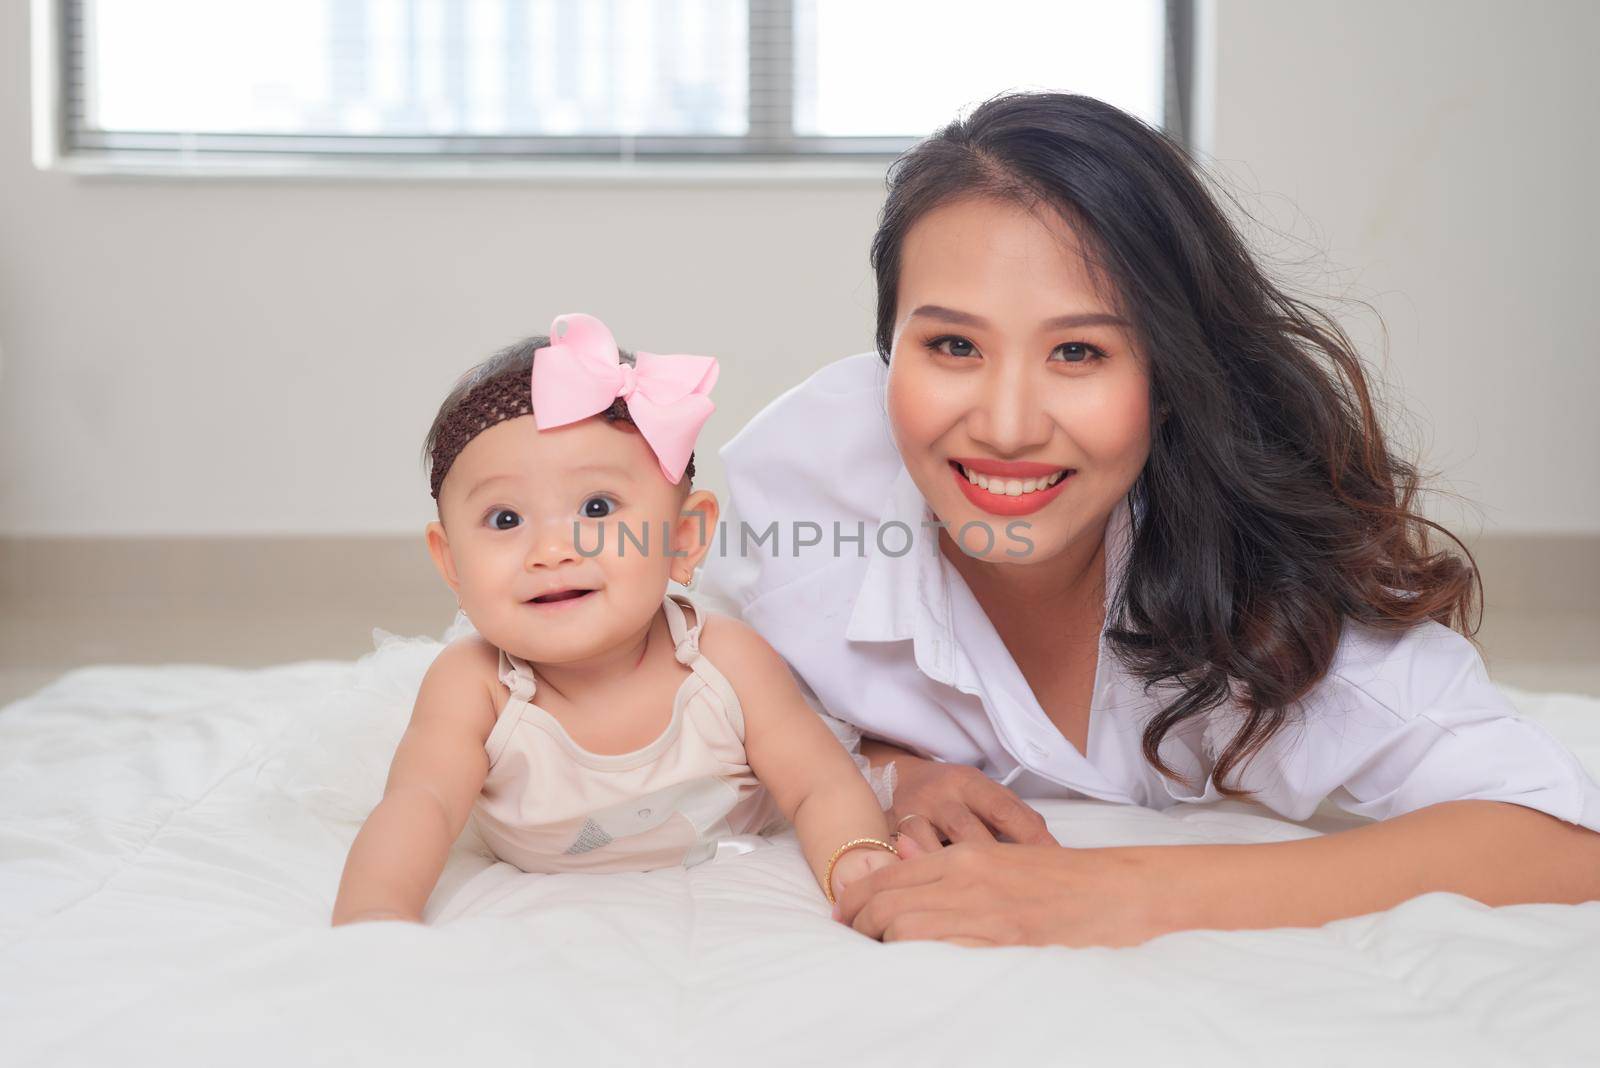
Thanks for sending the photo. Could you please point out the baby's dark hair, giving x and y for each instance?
(492, 392)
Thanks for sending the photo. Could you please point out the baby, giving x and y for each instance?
(594, 722)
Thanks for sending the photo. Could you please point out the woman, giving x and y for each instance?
(1108, 515)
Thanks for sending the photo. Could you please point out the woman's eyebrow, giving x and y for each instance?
(1060, 322)
(949, 315)
(1066, 322)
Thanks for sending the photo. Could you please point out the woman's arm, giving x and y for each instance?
(1491, 851)
(880, 753)
(795, 755)
(437, 773)
(1472, 797)
(1494, 852)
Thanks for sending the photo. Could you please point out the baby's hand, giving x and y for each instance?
(376, 916)
(857, 864)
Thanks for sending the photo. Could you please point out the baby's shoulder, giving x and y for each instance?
(743, 656)
(724, 634)
(466, 665)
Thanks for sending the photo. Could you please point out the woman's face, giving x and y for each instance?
(1016, 394)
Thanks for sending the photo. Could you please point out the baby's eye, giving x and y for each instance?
(1076, 352)
(598, 507)
(504, 519)
(953, 346)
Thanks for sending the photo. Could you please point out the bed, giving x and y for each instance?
(171, 839)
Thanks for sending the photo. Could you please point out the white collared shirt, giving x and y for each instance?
(887, 636)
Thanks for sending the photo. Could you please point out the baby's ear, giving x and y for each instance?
(439, 549)
(692, 534)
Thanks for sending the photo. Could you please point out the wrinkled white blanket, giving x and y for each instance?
(171, 839)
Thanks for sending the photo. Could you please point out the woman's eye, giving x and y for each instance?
(953, 346)
(1075, 352)
(598, 507)
(504, 519)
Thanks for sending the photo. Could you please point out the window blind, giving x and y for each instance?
(589, 79)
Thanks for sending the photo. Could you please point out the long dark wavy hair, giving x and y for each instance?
(1272, 508)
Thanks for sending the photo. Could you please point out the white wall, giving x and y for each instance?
(1444, 157)
(209, 357)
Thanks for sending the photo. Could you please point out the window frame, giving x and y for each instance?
(770, 147)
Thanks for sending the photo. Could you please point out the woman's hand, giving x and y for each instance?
(995, 894)
(959, 803)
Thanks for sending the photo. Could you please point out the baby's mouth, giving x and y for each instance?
(560, 595)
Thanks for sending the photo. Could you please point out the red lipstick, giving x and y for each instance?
(1004, 504)
(1007, 468)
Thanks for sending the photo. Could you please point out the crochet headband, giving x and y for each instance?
(580, 374)
(492, 401)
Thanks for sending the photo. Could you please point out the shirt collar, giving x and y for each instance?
(903, 585)
(904, 595)
(903, 579)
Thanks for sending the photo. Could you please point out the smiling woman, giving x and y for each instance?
(1228, 588)
(975, 419)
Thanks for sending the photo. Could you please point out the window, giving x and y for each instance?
(586, 79)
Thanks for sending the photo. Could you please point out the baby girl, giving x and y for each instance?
(594, 722)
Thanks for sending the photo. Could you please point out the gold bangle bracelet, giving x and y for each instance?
(854, 843)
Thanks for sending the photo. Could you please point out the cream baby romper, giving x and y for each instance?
(549, 805)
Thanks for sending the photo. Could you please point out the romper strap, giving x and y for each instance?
(517, 677)
(685, 639)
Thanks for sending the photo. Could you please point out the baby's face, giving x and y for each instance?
(557, 541)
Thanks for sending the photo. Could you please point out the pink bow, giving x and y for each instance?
(580, 374)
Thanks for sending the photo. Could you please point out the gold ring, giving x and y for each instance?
(907, 816)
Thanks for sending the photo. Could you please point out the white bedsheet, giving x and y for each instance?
(171, 839)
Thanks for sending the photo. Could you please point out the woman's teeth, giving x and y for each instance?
(1011, 487)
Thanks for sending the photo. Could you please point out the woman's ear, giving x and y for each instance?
(692, 534)
(439, 549)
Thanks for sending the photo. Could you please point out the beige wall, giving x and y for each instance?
(1443, 156)
(232, 356)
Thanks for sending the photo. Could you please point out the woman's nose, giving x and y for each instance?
(1008, 414)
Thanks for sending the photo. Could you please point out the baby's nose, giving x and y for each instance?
(553, 545)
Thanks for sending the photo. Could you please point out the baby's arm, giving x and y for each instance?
(795, 755)
(438, 770)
